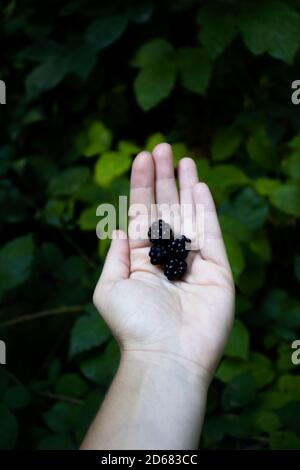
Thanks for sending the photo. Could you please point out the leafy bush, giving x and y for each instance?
(88, 86)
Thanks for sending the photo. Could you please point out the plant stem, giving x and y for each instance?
(42, 314)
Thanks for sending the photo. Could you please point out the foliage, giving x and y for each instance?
(89, 85)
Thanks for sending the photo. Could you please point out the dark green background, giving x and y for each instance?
(87, 87)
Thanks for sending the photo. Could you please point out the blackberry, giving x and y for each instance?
(158, 254)
(160, 232)
(175, 269)
(166, 251)
(177, 248)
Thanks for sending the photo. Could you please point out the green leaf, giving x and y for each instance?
(154, 140)
(57, 213)
(284, 361)
(252, 279)
(17, 397)
(54, 370)
(265, 421)
(225, 143)
(88, 219)
(8, 428)
(290, 385)
(238, 344)
(99, 139)
(239, 392)
(270, 399)
(276, 303)
(102, 33)
(128, 148)
(235, 255)
(287, 199)
(260, 367)
(71, 385)
(230, 368)
(261, 150)
(88, 331)
(282, 309)
(69, 181)
(50, 257)
(141, 12)
(266, 186)
(156, 50)
(196, 69)
(72, 270)
(81, 59)
(226, 177)
(101, 369)
(61, 417)
(154, 83)
(261, 247)
(46, 76)
(87, 412)
(214, 429)
(39, 50)
(180, 150)
(284, 440)
(15, 261)
(110, 165)
(238, 426)
(293, 166)
(250, 208)
(233, 227)
(294, 143)
(218, 28)
(271, 27)
(289, 416)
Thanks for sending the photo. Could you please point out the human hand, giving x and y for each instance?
(186, 321)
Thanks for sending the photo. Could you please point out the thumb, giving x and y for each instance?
(117, 263)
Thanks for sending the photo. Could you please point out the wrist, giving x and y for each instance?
(156, 364)
(154, 402)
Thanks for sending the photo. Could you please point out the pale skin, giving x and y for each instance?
(171, 334)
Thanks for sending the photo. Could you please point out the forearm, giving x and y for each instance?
(154, 402)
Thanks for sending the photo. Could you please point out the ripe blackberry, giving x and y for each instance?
(175, 269)
(160, 232)
(177, 248)
(158, 254)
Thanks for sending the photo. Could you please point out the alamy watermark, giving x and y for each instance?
(2, 92)
(296, 354)
(295, 97)
(187, 219)
(2, 352)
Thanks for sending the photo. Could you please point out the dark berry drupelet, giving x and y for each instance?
(175, 269)
(178, 248)
(160, 232)
(158, 254)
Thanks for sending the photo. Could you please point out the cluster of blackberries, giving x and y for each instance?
(168, 251)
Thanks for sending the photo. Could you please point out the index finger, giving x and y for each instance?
(141, 193)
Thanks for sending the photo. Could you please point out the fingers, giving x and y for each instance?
(142, 180)
(165, 185)
(117, 262)
(212, 245)
(142, 197)
(188, 178)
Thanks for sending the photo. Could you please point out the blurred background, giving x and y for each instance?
(90, 84)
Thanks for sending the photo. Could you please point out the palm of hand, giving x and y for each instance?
(188, 320)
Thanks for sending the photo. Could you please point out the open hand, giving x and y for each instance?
(187, 321)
